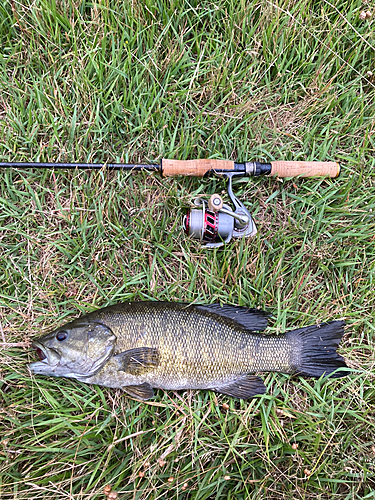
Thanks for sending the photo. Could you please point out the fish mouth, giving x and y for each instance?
(41, 352)
(41, 355)
(49, 359)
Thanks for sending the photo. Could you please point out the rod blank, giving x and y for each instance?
(97, 166)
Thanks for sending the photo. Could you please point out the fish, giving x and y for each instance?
(147, 345)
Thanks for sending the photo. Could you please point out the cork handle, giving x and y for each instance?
(305, 168)
(195, 168)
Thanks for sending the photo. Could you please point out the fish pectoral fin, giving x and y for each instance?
(138, 361)
(143, 391)
(244, 387)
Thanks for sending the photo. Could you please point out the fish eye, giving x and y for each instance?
(61, 336)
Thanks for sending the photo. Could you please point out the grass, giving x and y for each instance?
(139, 81)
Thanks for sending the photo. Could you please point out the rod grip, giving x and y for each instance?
(305, 168)
(196, 168)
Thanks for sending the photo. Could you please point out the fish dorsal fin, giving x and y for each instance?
(138, 361)
(244, 387)
(143, 391)
(252, 319)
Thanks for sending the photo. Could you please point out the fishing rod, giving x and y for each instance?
(212, 222)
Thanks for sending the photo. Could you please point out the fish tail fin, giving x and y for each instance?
(317, 354)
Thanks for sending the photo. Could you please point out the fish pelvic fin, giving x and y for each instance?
(317, 355)
(245, 387)
(143, 391)
(138, 361)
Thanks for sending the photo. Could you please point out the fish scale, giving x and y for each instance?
(197, 347)
(143, 345)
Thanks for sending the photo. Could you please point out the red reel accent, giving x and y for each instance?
(187, 222)
(210, 220)
(211, 226)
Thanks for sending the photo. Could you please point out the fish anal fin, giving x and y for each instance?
(244, 387)
(143, 391)
(138, 361)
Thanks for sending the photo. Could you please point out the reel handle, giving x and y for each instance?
(305, 168)
(215, 203)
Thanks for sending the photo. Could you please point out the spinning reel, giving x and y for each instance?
(215, 223)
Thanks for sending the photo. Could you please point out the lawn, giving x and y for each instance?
(111, 80)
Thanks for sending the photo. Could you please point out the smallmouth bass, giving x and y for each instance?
(141, 346)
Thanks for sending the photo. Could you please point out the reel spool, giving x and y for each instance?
(215, 224)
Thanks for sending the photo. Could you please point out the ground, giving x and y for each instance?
(107, 81)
